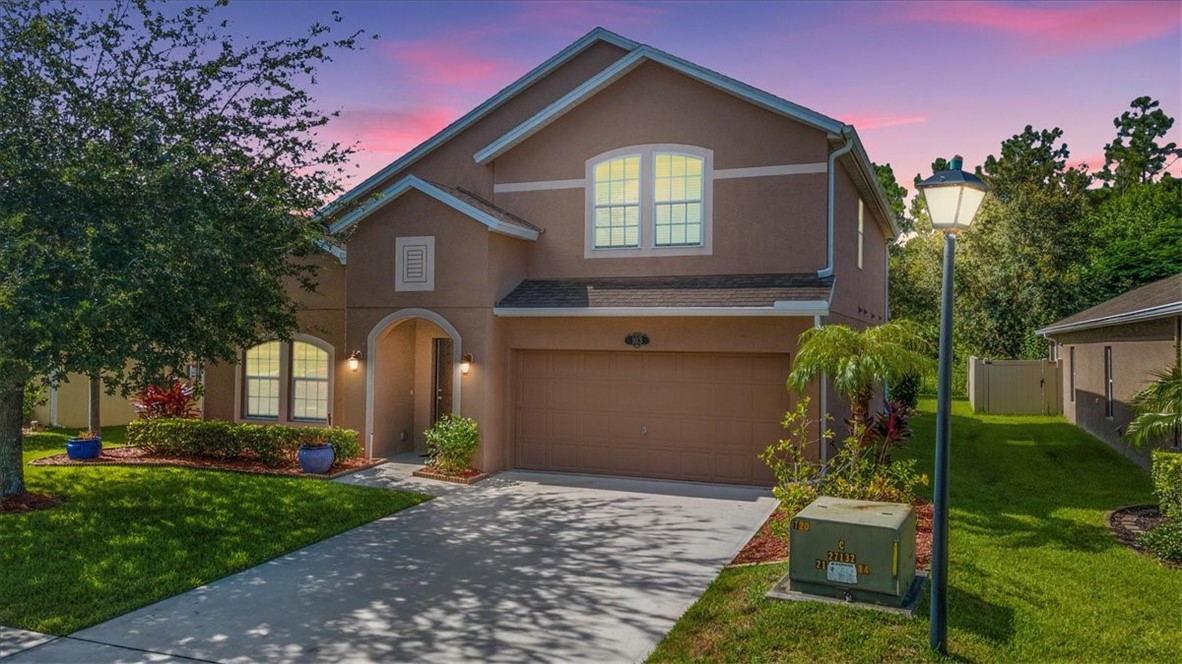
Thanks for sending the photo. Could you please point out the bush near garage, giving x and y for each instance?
(1166, 540)
(451, 442)
(272, 444)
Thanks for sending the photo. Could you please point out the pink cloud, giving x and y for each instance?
(390, 131)
(447, 63)
(1077, 26)
(866, 121)
(1094, 162)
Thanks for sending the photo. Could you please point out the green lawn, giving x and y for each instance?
(1033, 572)
(128, 537)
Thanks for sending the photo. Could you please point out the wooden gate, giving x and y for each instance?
(1015, 387)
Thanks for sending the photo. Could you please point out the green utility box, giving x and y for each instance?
(855, 551)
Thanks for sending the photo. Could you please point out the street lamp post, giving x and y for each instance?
(952, 198)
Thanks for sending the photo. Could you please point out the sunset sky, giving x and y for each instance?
(917, 79)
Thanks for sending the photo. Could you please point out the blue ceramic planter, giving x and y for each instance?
(84, 448)
(316, 459)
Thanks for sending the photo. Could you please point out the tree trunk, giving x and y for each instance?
(12, 398)
(96, 395)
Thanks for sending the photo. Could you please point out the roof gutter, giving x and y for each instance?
(1149, 313)
(848, 134)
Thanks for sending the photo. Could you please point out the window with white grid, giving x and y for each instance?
(677, 215)
(261, 382)
(309, 382)
(616, 207)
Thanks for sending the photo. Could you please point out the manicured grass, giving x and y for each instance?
(128, 537)
(1033, 573)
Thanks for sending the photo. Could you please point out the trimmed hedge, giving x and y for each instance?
(1167, 482)
(273, 444)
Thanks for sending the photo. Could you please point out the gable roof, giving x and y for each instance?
(699, 295)
(496, 219)
(761, 98)
(623, 66)
(471, 117)
(1159, 299)
(638, 53)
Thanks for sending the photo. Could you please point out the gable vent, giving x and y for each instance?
(414, 264)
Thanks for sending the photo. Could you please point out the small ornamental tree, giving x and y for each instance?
(1158, 408)
(158, 185)
(856, 361)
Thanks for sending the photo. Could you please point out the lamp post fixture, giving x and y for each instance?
(953, 198)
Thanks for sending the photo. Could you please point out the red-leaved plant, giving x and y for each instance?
(176, 400)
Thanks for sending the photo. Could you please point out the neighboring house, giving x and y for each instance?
(622, 247)
(1110, 351)
(68, 405)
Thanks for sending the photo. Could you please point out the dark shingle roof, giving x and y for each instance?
(740, 290)
(1160, 298)
(485, 206)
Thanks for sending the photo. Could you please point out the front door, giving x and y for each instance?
(442, 358)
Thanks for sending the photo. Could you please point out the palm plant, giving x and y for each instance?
(855, 361)
(1159, 409)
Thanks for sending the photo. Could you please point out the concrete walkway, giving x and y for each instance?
(523, 567)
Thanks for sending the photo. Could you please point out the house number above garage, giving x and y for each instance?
(637, 339)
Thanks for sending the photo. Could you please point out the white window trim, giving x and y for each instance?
(286, 394)
(647, 247)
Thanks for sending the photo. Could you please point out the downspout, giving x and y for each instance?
(847, 132)
(824, 444)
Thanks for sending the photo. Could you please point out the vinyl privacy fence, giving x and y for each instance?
(1015, 387)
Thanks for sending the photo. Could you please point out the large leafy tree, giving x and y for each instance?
(157, 185)
(1021, 260)
(1135, 156)
(858, 360)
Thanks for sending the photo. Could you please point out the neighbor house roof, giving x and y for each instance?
(461, 200)
(1156, 300)
(710, 295)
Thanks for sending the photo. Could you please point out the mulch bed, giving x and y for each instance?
(765, 547)
(469, 476)
(136, 456)
(29, 502)
(1128, 523)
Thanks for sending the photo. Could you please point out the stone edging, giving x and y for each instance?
(432, 475)
(1116, 521)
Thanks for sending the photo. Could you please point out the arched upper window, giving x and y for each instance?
(288, 381)
(649, 200)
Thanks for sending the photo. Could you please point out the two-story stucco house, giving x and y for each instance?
(607, 265)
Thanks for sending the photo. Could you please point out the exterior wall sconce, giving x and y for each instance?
(466, 364)
(355, 361)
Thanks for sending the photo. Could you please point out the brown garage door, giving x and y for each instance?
(687, 416)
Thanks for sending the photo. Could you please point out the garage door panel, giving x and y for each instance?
(694, 416)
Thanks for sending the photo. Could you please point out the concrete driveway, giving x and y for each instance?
(524, 567)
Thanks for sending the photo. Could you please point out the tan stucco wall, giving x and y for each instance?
(1138, 350)
(859, 294)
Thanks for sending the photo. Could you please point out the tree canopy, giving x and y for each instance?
(158, 184)
(1048, 241)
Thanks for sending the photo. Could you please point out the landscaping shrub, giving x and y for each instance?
(906, 390)
(451, 442)
(35, 395)
(176, 400)
(1166, 540)
(272, 444)
(861, 469)
(1167, 482)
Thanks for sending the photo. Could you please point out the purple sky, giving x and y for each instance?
(917, 79)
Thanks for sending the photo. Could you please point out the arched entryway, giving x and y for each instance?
(412, 378)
